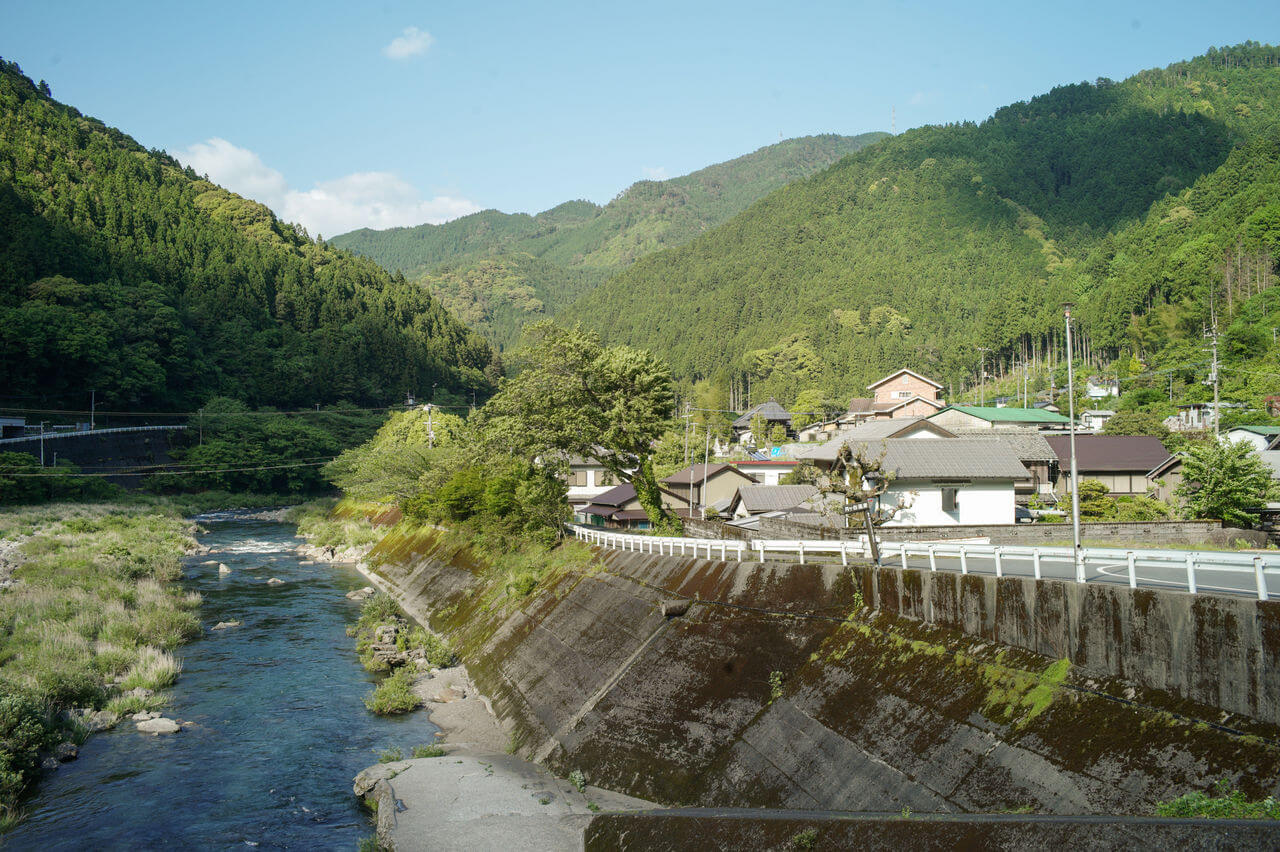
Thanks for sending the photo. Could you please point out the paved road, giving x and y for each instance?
(1174, 576)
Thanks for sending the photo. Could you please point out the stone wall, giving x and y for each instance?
(776, 687)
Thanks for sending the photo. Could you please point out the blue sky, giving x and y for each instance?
(342, 115)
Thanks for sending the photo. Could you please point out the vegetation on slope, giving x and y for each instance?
(500, 272)
(124, 272)
(923, 248)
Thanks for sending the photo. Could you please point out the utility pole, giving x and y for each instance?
(706, 460)
(1075, 473)
(42, 422)
(982, 375)
(1212, 334)
(431, 429)
(93, 405)
(202, 427)
(687, 415)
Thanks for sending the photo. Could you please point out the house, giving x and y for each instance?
(989, 417)
(587, 480)
(707, 484)
(619, 508)
(1036, 456)
(771, 412)
(869, 432)
(1261, 437)
(1120, 462)
(941, 482)
(1094, 420)
(1163, 479)
(766, 470)
(1097, 388)
(901, 394)
(759, 499)
(818, 431)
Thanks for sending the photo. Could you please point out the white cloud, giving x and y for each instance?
(238, 169)
(409, 43)
(655, 172)
(360, 200)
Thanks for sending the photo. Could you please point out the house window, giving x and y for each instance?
(579, 478)
(951, 499)
(902, 394)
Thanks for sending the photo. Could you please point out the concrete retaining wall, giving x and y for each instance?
(767, 693)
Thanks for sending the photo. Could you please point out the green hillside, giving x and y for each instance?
(944, 239)
(123, 272)
(560, 253)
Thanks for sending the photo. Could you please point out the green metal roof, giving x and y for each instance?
(1008, 415)
(1259, 430)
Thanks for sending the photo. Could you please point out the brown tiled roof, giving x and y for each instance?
(1134, 453)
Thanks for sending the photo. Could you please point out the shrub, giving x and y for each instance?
(391, 755)
(428, 751)
(393, 696)
(24, 730)
(154, 670)
(1228, 804)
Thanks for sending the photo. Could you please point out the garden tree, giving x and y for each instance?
(1137, 421)
(577, 397)
(810, 407)
(1223, 480)
(778, 434)
(759, 429)
(1097, 504)
(391, 464)
(857, 475)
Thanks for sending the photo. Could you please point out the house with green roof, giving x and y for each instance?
(1260, 437)
(991, 417)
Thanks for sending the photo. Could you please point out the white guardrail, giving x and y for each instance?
(84, 433)
(1190, 570)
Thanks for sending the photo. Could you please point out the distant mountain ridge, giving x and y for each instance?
(1129, 199)
(502, 270)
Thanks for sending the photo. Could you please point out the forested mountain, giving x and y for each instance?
(500, 271)
(124, 272)
(1124, 197)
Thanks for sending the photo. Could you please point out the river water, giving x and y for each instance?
(280, 730)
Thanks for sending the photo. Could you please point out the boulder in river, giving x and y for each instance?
(144, 716)
(362, 594)
(223, 569)
(159, 726)
(223, 625)
(50, 763)
(66, 751)
(275, 581)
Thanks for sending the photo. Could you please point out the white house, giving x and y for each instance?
(1094, 420)
(766, 471)
(588, 479)
(1259, 436)
(951, 482)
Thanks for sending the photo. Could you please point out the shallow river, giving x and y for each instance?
(280, 730)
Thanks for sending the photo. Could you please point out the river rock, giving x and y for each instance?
(275, 581)
(49, 764)
(211, 562)
(145, 715)
(362, 594)
(159, 726)
(97, 720)
(378, 772)
(223, 569)
(223, 625)
(66, 751)
(139, 692)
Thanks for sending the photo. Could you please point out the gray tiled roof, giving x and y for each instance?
(1028, 446)
(771, 498)
(943, 458)
(872, 430)
(770, 411)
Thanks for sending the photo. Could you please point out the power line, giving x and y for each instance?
(171, 472)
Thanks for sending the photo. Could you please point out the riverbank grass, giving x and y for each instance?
(90, 613)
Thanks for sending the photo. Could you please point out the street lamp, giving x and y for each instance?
(1075, 473)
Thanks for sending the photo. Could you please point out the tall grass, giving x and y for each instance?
(93, 613)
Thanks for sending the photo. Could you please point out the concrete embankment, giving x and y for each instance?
(785, 685)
